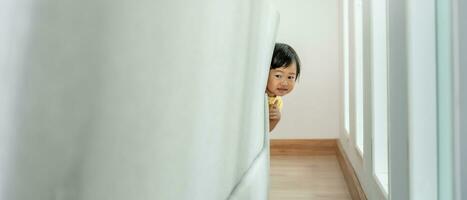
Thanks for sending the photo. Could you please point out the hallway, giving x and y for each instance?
(317, 177)
(171, 100)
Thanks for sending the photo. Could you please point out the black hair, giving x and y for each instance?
(283, 56)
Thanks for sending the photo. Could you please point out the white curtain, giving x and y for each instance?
(144, 99)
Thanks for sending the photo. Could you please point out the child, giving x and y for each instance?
(284, 71)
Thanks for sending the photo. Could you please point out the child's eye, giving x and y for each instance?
(278, 76)
(292, 77)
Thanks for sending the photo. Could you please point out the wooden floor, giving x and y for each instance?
(307, 177)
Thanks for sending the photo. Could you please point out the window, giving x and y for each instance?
(359, 90)
(380, 93)
(345, 20)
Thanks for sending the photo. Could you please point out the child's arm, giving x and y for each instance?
(272, 124)
(274, 116)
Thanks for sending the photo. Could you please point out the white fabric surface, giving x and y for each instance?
(144, 99)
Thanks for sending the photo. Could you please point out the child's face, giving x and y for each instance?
(281, 80)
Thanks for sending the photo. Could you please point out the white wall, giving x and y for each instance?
(312, 109)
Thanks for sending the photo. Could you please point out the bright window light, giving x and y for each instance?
(359, 90)
(380, 93)
(345, 20)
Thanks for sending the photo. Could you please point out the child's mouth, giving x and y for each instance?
(282, 89)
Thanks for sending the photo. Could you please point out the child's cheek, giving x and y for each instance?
(291, 87)
(271, 86)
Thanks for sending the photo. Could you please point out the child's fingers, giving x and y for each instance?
(274, 112)
(273, 109)
(274, 116)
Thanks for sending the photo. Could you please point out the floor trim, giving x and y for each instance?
(303, 147)
(284, 147)
(355, 188)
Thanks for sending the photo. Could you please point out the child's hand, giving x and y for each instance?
(274, 113)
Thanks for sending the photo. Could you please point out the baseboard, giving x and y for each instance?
(355, 188)
(303, 147)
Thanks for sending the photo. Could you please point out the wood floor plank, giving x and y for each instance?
(317, 177)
